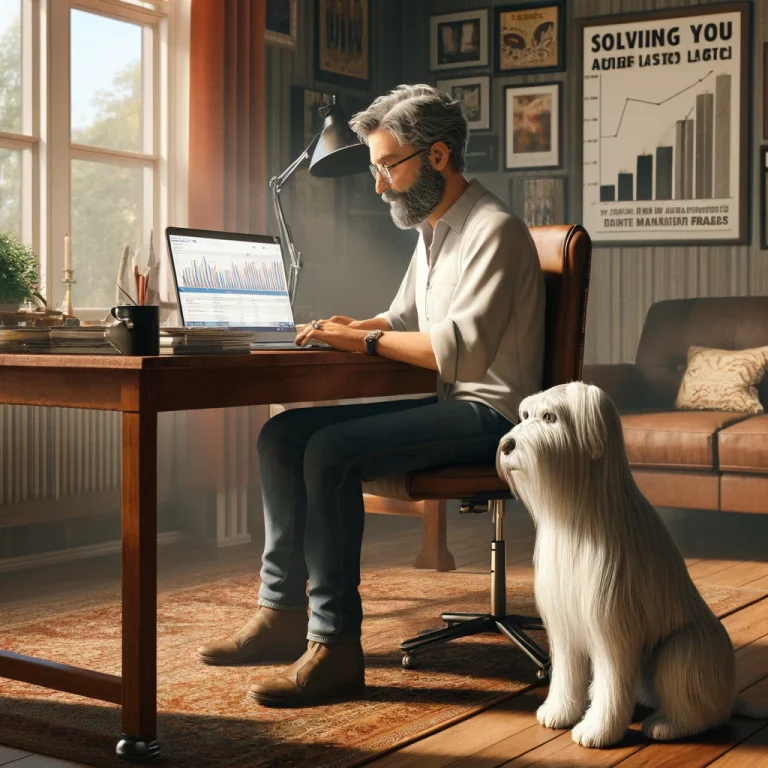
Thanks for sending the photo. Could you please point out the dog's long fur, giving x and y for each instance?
(611, 585)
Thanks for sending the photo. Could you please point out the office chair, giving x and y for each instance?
(565, 254)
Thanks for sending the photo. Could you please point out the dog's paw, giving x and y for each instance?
(593, 734)
(552, 714)
(661, 728)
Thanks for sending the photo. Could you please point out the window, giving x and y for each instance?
(84, 135)
(17, 140)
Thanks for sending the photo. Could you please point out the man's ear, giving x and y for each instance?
(440, 155)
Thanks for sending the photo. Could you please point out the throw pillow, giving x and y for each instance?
(722, 380)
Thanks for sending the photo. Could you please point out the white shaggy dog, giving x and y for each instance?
(611, 585)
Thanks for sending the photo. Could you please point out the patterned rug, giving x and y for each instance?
(205, 719)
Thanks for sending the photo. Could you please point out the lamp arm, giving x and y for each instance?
(276, 184)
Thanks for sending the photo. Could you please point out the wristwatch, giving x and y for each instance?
(370, 341)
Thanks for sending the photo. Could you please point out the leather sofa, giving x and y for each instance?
(715, 460)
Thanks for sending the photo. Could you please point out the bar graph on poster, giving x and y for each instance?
(662, 129)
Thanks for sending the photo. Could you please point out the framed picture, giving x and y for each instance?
(342, 42)
(540, 201)
(459, 40)
(764, 198)
(281, 23)
(315, 197)
(532, 126)
(765, 90)
(530, 38)
(474, 95)
(482, 155)
(666, 111)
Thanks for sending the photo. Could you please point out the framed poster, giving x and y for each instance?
(482, 155)
(764, 198)
(532, 126)
(666, 105)
(459, 40)
(315, 197)
(530, 38)
(540, 201)
(342, 42)
(765, 90)
(474, 95)
(281, 23)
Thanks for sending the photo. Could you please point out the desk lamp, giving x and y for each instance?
(335, 151)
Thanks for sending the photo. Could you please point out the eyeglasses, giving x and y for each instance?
(384, 170)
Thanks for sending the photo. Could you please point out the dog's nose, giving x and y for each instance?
(508, 445)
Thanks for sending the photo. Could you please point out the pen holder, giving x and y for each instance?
(137, 331)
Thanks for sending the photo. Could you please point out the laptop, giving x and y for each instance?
(227, 281)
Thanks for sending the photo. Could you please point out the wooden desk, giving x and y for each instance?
(141, 388)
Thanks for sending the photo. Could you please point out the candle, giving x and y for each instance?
(67, 253)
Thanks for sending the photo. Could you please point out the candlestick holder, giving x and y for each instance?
(66, 305)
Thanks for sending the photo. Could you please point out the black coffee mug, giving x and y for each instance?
(137, 330)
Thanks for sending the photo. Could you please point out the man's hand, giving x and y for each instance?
(338, 335)
(374, 324)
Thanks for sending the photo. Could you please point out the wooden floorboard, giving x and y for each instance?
(720, 550)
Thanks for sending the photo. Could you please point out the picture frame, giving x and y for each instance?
(532, 136)
(765, 91)
(482, 155)
(343, 42)
(474, 95)
(281, 24)
(315, 197)
(459, 40)
(530, 37)
(665, 129)
(764, 198)
(539, 200)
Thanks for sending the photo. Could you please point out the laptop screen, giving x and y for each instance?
(224, 282)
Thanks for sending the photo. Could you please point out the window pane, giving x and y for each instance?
(107, 205)
(106, 82)
(10, 191)
(10, 66)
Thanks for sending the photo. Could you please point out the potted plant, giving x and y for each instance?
(19, 276)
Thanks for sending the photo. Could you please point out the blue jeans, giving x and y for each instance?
(313, 462)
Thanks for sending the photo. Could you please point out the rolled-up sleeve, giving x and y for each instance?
(467, 341)
(402, 315)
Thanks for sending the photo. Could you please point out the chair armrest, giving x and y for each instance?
(624, 383)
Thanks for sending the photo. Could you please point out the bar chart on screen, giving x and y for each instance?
(661, 128)
(261, 275)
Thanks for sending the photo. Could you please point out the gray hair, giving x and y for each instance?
(417, 116)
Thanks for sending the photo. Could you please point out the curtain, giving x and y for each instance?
(227, 131)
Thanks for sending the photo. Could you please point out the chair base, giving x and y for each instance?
(466, 624)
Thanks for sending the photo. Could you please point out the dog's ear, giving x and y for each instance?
(588, 401)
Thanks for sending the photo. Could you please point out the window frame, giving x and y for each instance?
(63, 150)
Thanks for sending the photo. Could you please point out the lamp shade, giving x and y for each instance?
(338, 151)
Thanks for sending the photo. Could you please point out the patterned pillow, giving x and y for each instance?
(722, 380)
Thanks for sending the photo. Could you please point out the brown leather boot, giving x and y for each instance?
(270, 635)
(322, 674)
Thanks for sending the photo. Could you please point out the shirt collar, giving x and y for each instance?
(456, 216)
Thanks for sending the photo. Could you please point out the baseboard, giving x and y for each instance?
(78, 553)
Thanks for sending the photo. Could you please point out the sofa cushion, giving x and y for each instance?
(722, 380)
(743, 447)
(675, 439)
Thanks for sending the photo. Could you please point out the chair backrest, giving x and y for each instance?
(565, 253)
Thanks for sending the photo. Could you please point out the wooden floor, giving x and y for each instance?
(720, 548)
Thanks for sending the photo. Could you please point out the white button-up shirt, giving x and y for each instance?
(475, 284)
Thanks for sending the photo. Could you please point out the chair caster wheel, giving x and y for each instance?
(542, 674)
(408, 661)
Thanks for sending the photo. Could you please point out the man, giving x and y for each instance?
(471, 307)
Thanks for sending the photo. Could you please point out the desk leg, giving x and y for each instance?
(139, 520)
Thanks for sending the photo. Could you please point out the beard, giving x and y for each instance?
(412, 206)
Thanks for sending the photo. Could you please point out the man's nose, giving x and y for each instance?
(381, 185)
(508, 445)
